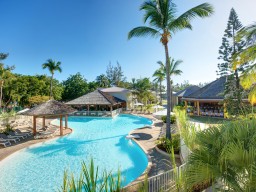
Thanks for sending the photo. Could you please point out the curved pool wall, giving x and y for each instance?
(40, 167)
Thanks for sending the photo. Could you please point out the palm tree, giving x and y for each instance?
(159, 77)
(173, 71)
(52, 66)
(248, 77)
(163, 23)
(102, 80)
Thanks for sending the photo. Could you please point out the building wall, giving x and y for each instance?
(119, 95)
(126, 96)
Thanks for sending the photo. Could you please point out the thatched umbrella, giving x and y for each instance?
(50, 108)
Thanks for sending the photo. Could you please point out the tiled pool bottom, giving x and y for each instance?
(41, 167)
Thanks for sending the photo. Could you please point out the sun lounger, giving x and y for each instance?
(28, 133)
(23, 136)
(5, 143)
(133, 137)
(5, 137)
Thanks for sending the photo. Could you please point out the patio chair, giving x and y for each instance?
(28, 133)
(5, 137)
(5, 143)
(23, 136)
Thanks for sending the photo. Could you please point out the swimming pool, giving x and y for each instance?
(41, 166)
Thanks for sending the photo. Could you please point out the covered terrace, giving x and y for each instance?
(97, 103)
(208, 100)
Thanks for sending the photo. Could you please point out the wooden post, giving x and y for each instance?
(34, 125)
(66, 121)
(225, 111)
(198, 108)
(43, 121)
(61, 126)
(186, 105)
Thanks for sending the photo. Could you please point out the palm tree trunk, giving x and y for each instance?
(51, 87)
(1, 97)
(1, 92)
(161, 101)
(171, 95)
(168, 124)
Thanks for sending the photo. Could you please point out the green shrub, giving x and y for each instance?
(8, 128)
(164, 118)
(166, 144)
(173, 119)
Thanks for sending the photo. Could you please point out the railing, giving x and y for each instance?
(162, 182)
(99, 113)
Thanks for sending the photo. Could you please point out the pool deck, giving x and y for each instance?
(159, 163)
(4, 152)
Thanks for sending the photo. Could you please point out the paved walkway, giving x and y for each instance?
(148, 138)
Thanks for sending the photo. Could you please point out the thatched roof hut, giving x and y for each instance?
(50, 108)
(96, 97)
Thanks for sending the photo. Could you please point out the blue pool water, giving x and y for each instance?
(41, 166)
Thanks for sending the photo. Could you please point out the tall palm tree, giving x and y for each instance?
(163, 23)
(52, 66)
(159, 77)
(173, 71)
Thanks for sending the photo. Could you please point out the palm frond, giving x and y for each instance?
(151, 12)
(143, 31)
(184, 20)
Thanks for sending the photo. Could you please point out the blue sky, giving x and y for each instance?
(86, 35)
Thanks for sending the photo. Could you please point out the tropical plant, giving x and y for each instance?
(102, 80)
(247, 55)
(91, 181)
(19, 88)
(52, 66)
(159, 77)
(163, 23)
(38, 99)
(173, 71)
(4, 72)
(224, 157)
(142, 90)
(75, 86)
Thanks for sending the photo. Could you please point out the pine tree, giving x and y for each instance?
(229, 47)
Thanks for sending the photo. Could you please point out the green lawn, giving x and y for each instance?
(208, 120)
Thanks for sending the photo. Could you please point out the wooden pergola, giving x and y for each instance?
(50, 109)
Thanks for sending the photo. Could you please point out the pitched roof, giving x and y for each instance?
(187, 91)
(96, 97)
(114, 89)
(50, 107)
(213, 90)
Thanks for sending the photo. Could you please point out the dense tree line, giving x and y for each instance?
(28, 90)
